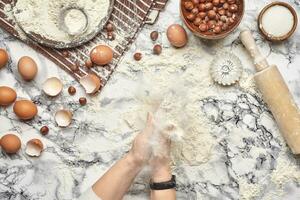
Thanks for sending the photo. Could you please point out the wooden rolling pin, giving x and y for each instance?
(276, 94)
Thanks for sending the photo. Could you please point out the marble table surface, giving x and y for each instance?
(249, 160)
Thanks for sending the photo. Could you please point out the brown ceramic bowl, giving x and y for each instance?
(210, 35)
(282, 38)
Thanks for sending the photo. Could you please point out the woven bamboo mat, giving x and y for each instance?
(128, 18)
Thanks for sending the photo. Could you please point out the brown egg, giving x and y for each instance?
(7, 96)
(3, 58)
(101, 55)
(177, 35)
(27, 68)
(25, 109)
(10, 143)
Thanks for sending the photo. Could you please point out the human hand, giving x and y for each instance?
(141, 149)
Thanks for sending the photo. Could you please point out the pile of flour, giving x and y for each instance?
(42, 16)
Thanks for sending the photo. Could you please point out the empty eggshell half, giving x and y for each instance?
(34, 147)
(52, 86)
(63, 118)
(91, 83)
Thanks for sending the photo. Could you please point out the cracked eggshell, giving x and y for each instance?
(91, 83)
(63, 118)
(52, 86)
(34, 147)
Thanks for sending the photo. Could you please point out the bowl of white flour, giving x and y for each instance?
(62, 23)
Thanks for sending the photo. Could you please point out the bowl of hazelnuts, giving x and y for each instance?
(212, 19)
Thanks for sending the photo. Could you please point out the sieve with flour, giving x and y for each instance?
(72, 21)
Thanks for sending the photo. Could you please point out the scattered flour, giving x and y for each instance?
(42, 16)
(248, 191)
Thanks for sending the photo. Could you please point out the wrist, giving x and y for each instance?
(134, 161)
(161, 174)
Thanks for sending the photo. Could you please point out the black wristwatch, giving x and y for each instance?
(164, 185)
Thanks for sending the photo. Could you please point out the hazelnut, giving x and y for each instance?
(211, 14)
(222, 12)
(88, 63)
(208, 6)
(109, 27)
(203, 27)
(211, 24)
(71, 90)
(220, 23)
(202, 15)
(202, 1)
(191, 17)
(217, 29)
(188, 5)
(44, 130)
(196, 1)
(137, 56)
(225, 27)
(225, 6)
(110, 35)
(66, 53)
(223, 18)
(229, 14)
(233, 8)
(82, 101)
(231, 1)
(74, 68)
(157, 49)
(230, 21)
(201, 7)
(216, 2)
(154, 35)
(197, 21)
(195, 11)
(222, 1)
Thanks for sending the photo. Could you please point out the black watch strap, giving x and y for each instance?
(164, 185)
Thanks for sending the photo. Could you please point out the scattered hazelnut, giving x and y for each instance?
(203, 27)
(188, 5)
(154, 35)
(157, 49)
(72, 90)
(74, 68)
(191, 17)
(82, 101)
(216, 2)
(211, 14)
(66, 53)
(195, 11)
(88, 63)
(44, 130)
(137, 56)
(110, 36)
(109, 27)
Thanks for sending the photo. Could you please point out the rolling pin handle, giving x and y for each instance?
(248, 41)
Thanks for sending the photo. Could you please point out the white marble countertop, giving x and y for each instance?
(249, 159)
